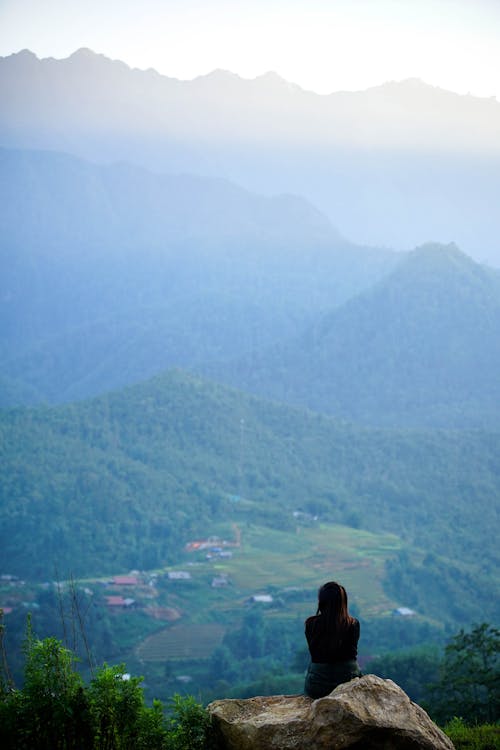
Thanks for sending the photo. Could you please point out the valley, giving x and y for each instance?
(173, 620)
(249, 343)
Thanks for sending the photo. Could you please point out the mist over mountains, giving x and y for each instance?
(321, 257)
(420, 348)
(147, 271)
(396, 165)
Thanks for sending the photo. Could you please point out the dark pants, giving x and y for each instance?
(321, 679)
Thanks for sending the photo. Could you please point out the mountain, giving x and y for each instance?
(112, 273)
(418, 349)
(396, 165)
(405, 114)
(125, 480)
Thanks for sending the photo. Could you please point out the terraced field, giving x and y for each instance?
(288, 565)
(269, 560)
(181, 642)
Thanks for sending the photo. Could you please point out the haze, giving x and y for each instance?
(322, 46)
(250, 320)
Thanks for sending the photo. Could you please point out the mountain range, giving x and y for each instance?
(160, 235)
(397, 165)
(146, 271)
(149, 271)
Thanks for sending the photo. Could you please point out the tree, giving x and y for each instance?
(49, 713)
(469, 684)
(55, 710)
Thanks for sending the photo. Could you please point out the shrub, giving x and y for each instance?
(56, 711)
(189, 726)
(486, 737)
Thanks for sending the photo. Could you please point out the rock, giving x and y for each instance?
(368, 713)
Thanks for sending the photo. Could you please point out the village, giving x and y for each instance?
(155, 593)
(137, 589)
(169, 621)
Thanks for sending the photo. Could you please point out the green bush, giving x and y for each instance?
(189, 727)
(486, 737)
(469, 681)
(55, 710)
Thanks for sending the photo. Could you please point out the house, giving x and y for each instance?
(404, 612)
(179, 575)
(261, 598)
(219, 581)
(119, 601)
(126, 581)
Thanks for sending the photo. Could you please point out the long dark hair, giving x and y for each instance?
(334, 618)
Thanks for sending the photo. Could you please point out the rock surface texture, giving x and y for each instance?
(368, 713)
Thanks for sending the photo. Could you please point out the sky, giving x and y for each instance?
(322, 45)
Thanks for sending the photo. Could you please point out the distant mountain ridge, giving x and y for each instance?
(420, 348)
(110, 274)
(388, 115)
(395, 165)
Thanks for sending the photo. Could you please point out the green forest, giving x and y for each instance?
(117, 482)
(283, 499)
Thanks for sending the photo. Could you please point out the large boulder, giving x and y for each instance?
(368, 713)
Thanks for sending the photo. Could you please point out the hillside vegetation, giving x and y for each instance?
(418, 349)
(149, 271)
(124, 480)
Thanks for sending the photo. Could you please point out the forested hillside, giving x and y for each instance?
(418, 349)
(125, 480)
(147, 271)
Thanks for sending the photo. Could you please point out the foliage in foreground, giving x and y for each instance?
(464, 682)
(55, 710)
(486, 737)
(469, 683)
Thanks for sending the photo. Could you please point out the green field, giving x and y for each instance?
(288, 565)
(270, 559)
(186, 642)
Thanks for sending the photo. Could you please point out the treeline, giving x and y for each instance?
(56, 710)
(464, 682)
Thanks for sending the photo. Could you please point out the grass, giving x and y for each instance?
(178, 643)
(308, 557)
(486, 737)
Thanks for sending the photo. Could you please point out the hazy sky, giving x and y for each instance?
(323, 45)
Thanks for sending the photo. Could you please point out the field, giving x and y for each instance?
(288, 566)
(187, 642)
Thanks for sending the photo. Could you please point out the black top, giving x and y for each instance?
(324, 647)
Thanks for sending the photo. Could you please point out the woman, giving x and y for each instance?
(332, 636)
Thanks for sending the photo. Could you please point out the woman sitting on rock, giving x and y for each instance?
(332, 636)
